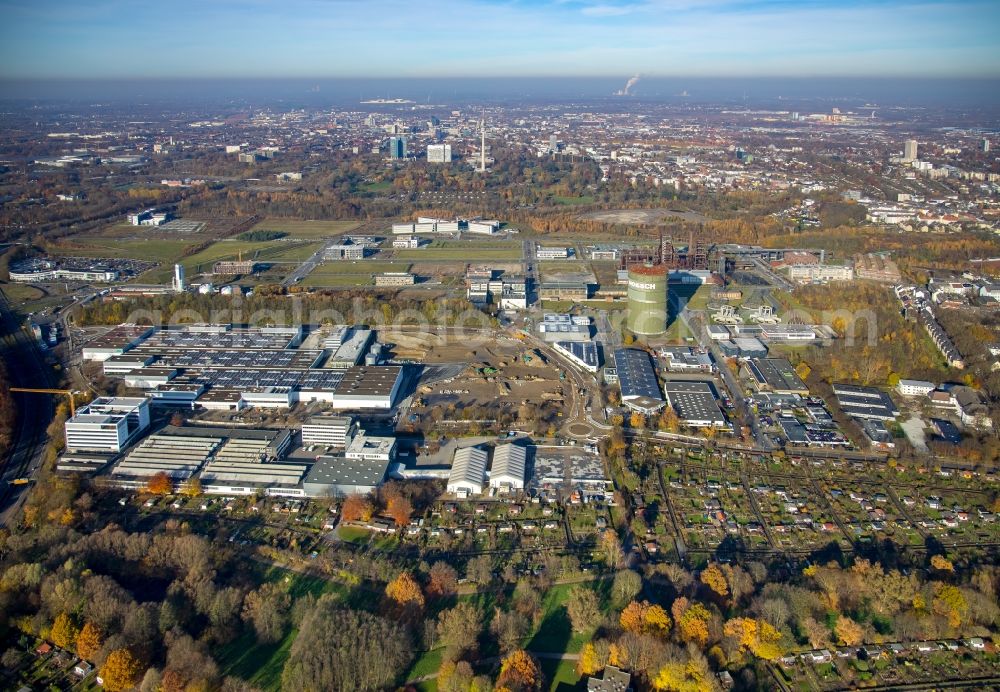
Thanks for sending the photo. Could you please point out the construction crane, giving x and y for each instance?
(66, 392)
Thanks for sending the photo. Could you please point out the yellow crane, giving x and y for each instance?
(66, 392)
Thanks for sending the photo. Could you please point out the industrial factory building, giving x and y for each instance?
(250, 367)
(468, 472)
(508, 469)
(637, 379)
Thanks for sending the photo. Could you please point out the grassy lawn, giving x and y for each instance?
(557, 305)
(375, 187)
(428, 664)
(694, 296)
(306, 230)
(153, 250)
(561, 676)
(352, 534)
(222, 250)
(556, 634)
(258, 664)
(289, 252)
(582, 199)
(471, 253)
(355, 273)
(21, 293)
(341, 267)
(475, 242)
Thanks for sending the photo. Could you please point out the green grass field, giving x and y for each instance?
(469, 252)
(153, 250)
(288, 252)
(231, 250)
(345, 274)
(582, 199)
(306, 230)
(375, 187)
(21, 293)
(476, 244)
(695, 296)
(560, 676)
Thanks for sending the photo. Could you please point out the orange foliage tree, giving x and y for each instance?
(404, 592)
(120, 671)
(757, 636)
(849, 633)
(160, 484)
(64, 631)
(519, 671)
(357, 508)
(400, 509)
(642, 617)
(88, 641)
(692, 625)
(713, 578)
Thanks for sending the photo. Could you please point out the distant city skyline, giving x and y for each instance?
(383, 38)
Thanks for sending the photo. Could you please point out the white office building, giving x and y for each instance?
(551, 253)
(371, 448)
(915, 387)
(328, 431)
(179, 285)
(508, 467)
(483, 227)
(810, 273)
(409, 242)
(107, 424)
(468, 472)
(438, 153)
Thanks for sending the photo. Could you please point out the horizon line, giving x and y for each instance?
(615, 75)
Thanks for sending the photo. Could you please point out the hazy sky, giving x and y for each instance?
(212, 38)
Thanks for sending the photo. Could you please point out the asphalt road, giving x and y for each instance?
(303, 270)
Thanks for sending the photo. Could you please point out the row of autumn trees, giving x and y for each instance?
(725, 616)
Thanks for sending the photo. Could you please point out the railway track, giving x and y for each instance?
(25, 368)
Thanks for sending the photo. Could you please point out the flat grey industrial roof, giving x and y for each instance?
(361, 380)
(585, 351)
(338, 470)
(250, 473)
(794, 430)
(329, 420)
(175, 456)
(694, 401)
(118, 338)
(865, 402)
(776, 373)
(268, 434)
(636, 376)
